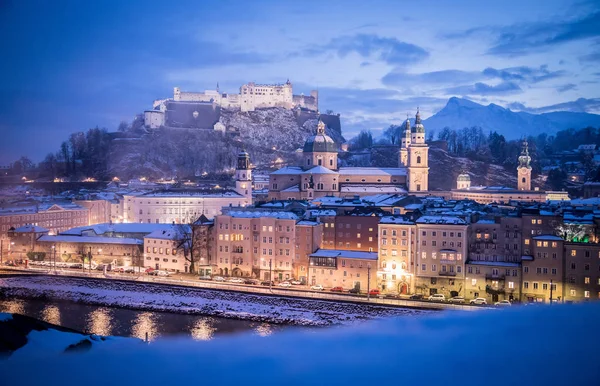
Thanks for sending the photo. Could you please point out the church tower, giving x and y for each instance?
(404, 144)
(320, 150)
(524, 169)
(417, 178)
(243, 176)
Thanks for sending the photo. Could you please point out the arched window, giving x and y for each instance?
(523, 180)
(418, 159)
(308, 161)
(331, 162)
(320, 161)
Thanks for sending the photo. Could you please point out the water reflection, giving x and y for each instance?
(264, 329)
(99, 322)
(203, 329)
(15, 306)
(145, 323)
(51, 314)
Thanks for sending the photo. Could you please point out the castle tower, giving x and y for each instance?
(404, 143)
(176, 94)
(463, 181)
(417, 179)
(524, 169)
(320, 150)
(243, 176)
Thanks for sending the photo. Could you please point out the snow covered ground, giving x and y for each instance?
(537, 345)
(272, 309)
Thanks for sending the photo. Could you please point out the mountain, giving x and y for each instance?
(459, 113)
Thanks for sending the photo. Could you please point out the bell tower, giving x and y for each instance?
(243, 176)
(417, 179)
(404, 144)
(524, 168)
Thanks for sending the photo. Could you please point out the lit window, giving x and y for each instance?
(586, 280)
(511, 284)
(586, 294)
(473, 281)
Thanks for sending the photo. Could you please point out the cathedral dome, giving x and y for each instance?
(418, 127)
(320, 142)
(463, 177)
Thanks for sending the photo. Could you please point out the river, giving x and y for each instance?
(124, 322)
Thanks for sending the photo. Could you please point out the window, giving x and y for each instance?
(511, 284)
(586, 294)
(554, 271)
(526, 284)
(573, 292)
(573, 252)
(545, 286)
(423, 267)
(535, 286)
(433, 268)
(526, 269)
(586, 280)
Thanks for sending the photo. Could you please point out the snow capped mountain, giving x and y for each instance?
(459, 113)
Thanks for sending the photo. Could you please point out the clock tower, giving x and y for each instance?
(417, 179)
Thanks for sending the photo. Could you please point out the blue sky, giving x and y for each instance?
(73, 65)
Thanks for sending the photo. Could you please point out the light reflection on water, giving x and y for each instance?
(99, 322)
(51, 314)
(144, 326)
(123, 322)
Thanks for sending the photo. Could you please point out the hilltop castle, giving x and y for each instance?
(252, 96)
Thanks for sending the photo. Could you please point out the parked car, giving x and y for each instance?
(503, 303)
(317, 287)
(163, 273)
(296, 282)
(218, 278)
(267, 283)
(374, 292)
(286, 284)
(127, 269)
(251, 281)
(237, 280)
(437, 298)
(391, 296)
(119, 270)
(354, 290)
(205, 277)
(457, 299)
(337, 289)
(479, 301)
(416, 297)
(148, 270)
(154, 272)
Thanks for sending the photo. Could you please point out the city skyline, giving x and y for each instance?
(86, 65)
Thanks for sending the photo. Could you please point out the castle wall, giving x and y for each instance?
(154, 119)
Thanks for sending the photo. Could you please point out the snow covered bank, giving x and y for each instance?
(545, 345)
(272, 309)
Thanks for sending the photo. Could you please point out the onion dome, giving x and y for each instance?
(463, 177)
(418, 127)
(524, 158)
(320, 142)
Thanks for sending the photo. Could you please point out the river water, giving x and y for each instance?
(123, 322)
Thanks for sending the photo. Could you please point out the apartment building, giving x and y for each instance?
(543, 270)
(255, 244)
(351, 232)
(493, 280)
(342, 268)
(309, 235)
(441, 252)
(496, 240)
(396, 256)
(163, 249)
(582, 272)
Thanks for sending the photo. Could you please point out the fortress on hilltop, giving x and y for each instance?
(204, 106)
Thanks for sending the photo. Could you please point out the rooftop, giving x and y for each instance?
(345, 254)
(90, 240)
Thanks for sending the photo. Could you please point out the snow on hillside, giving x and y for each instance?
(236, 305)
(459, 113)
(533, 345)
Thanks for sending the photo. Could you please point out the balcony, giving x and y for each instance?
(494, 277)
(447, 273)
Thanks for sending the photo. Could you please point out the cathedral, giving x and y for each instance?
(319, 175)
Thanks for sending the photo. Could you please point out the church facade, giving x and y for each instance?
(319, 174)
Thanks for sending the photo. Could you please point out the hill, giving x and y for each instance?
(269, 135)
(459, 113)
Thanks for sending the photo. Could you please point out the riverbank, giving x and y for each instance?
(196, 301)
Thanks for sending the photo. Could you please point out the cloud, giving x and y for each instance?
(385, 49)
(581, 105)
(566, 87)
(524, 73)
(398, 77)
(479, 88)
(524, 38)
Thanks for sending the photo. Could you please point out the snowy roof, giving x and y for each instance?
(548, 237)
(395, 220)
(31, 229)
(90, 240)
(452, 220)
(319, 170)
(322, 212)
(345, 254)
(353, 171)
(100, 229)
(172, 234)
(289, 170)
(527, 258)
(307, 223)
(494, 263)
(252, 214)
(484, 221)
